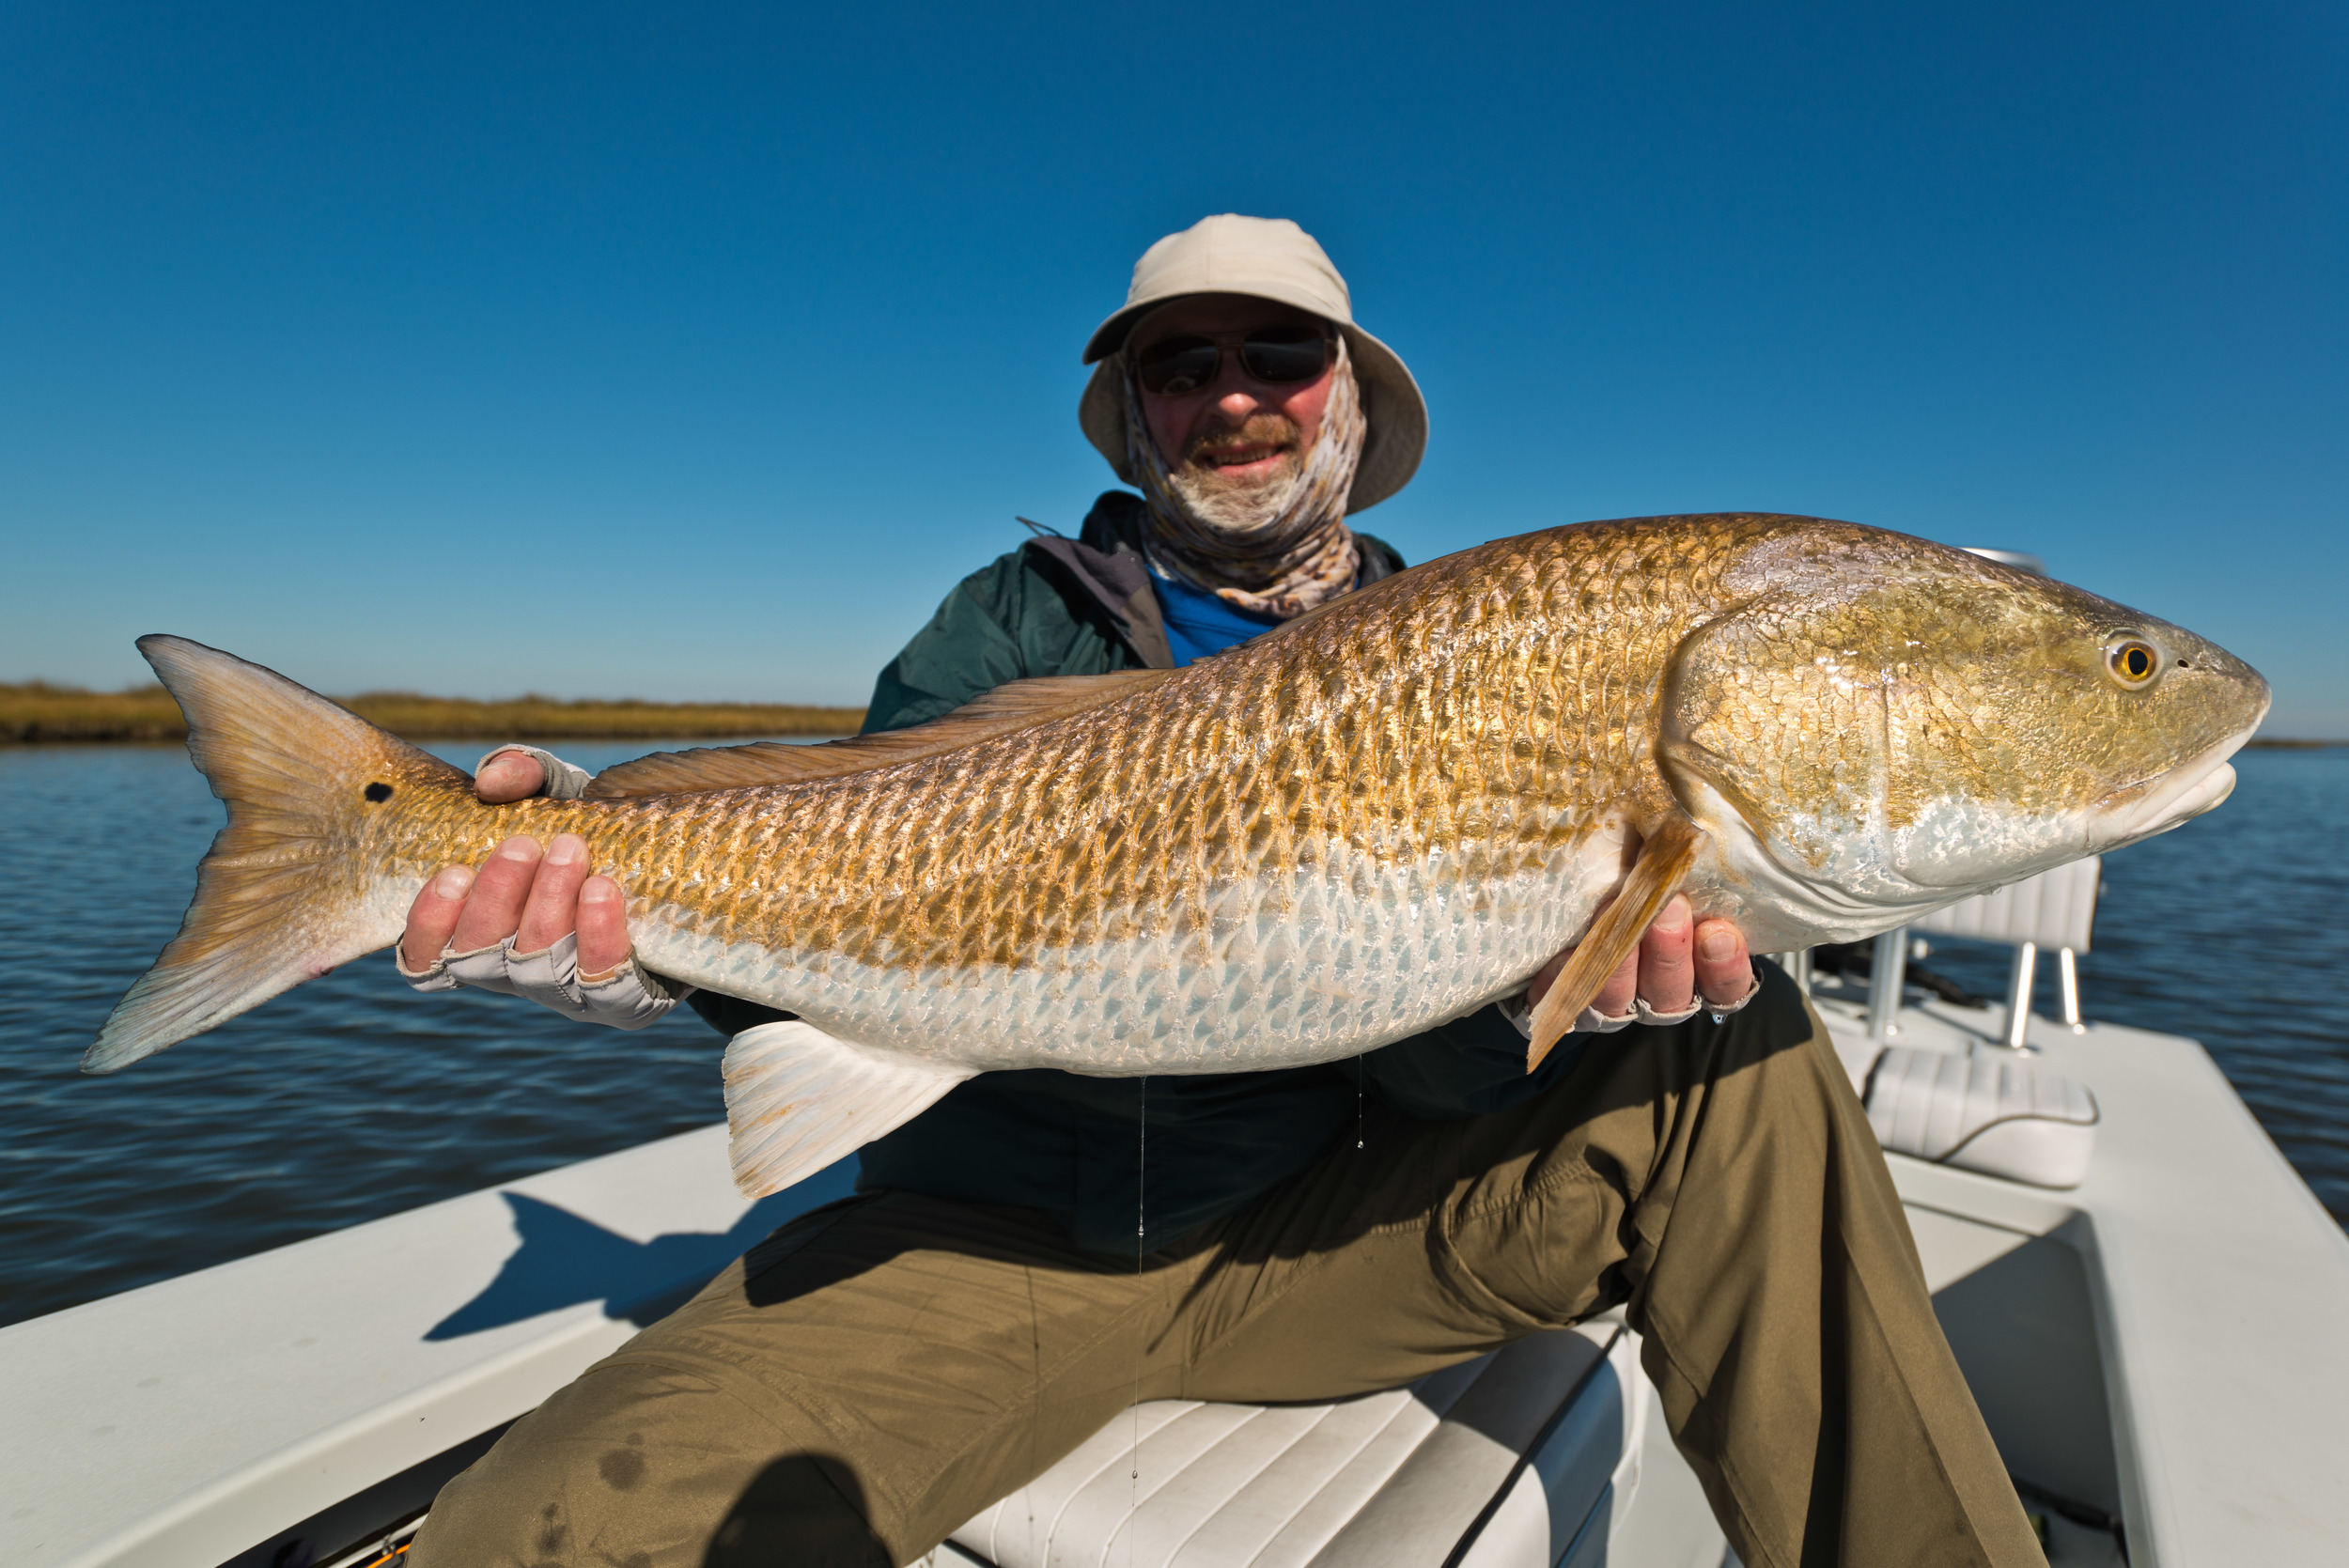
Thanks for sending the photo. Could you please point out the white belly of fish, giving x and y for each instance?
(1317, 968)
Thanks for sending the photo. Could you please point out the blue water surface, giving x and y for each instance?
(344, 1099)
(350, 1097)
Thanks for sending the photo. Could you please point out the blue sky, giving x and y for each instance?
(695, 353)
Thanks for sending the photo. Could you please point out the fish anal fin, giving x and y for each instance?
(797, 1099)
(1015, 706)
(1665, 858)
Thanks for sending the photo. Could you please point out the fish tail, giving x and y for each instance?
(282, 896)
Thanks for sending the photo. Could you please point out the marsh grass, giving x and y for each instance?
(38, 711)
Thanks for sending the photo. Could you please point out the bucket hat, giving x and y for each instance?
(1271, 259)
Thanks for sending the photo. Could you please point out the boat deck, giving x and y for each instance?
(2175, 1317)
(2155, 1346)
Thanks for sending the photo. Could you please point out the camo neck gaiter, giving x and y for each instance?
(1280, 552)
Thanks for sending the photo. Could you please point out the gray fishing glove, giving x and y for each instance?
(1519, 1011)
(1641, 1011)
(628, 997)
(566, 781)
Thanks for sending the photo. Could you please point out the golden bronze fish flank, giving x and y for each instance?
(1378, 816)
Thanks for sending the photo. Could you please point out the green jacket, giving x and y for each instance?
(1069, 1144)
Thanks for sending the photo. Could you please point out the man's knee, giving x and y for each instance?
(1780, 1013)
(1780, 1034)
(1773, 1131)
(637, 1465)
(1761, 1089)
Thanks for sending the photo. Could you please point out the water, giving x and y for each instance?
(350, 1097)
(346, 1099)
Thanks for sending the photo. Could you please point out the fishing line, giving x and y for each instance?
(1142, 1166)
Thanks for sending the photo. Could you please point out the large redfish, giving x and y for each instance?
(1380, 815)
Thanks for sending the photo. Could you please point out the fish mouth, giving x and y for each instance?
(2185, 792)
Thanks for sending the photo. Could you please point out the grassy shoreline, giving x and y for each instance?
(37, 713)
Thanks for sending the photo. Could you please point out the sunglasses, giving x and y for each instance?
(1278, 356)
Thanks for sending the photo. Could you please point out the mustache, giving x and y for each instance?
(1263, 429)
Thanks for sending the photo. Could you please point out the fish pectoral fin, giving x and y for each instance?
(1656, 876)
(1015, 705)
(797, 1099)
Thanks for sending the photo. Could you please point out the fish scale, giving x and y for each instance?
(1409, 827)
(1378, 816)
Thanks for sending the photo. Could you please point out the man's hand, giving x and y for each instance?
(1672, 966)
(535, 896)
(510, 776)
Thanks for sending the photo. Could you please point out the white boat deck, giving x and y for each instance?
(188, 1421)
(2218, 1285)
(2159, 1345)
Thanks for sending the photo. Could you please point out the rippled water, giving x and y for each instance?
(349, 1097)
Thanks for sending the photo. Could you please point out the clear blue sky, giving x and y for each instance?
(695, 352)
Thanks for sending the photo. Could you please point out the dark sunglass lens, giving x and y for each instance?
(1177, 366)
(1282, 356)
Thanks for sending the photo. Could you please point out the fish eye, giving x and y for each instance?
(2133, 663)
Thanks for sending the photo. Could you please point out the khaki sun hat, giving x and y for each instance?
(1272, 259)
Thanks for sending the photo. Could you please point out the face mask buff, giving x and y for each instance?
(1279, 548)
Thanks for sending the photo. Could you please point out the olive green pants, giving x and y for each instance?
(876, 1372)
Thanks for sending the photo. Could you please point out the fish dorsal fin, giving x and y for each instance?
(1015, 705)
(1656, 876)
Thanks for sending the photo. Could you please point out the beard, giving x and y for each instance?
(1238, 506)
(1274, 541)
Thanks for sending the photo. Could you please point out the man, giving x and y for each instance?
(879, 1370)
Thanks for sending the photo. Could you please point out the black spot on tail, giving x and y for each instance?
(379, 792)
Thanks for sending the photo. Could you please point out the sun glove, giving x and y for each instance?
(626, 997)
